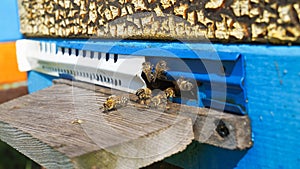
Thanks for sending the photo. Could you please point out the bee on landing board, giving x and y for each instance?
(144, 95)
(159, 100)
(170, 92)
(160, 70)
(114, 102)
(147, 69)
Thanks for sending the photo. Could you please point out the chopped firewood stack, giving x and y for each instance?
(263, 21)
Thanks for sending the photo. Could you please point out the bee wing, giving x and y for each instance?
(149, 76)
(160, 68)
(180, 80)
(147, 69)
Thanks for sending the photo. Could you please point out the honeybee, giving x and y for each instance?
(144, 95)
(184, 85)
(114, 102)
(170, 92)
(159, 100)
(160, 69)
(147, 69)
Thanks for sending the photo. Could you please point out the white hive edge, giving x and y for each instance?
(122, 72)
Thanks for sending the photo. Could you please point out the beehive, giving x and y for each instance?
(218, 20)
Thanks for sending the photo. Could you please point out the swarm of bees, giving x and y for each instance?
(152, 74)
(145, 95)
(113, 102)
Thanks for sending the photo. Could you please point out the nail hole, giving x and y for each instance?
(222, 129)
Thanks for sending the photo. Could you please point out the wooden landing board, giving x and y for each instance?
(210, 126)
(45, 127)
(218, 20)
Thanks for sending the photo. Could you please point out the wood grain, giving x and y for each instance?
(43, 127)
(264, 21)
(205, 121)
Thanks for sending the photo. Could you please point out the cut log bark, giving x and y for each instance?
(264, 21)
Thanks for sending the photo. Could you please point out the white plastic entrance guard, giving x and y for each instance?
(122, 72)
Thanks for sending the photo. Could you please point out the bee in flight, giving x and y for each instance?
(160, 70)
(113, 102)
(184, 85)
(144, 95)
(147, 69)
(153, 74)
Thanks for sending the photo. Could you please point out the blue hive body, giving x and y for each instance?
(262, 81)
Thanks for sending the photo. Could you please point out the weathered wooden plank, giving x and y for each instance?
(210, 126)
(219, 20)
(45, 126)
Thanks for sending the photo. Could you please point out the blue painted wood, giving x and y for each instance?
(273, 88)
(273, 92)
(9, 21)
(38, 81)
(210, 68)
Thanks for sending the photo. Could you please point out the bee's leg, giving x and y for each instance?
(147, 102)
(142, 102)
(105, 111)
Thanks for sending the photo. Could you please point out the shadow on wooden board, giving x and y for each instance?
(12, 159)
(204, 156)
(9, 94)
